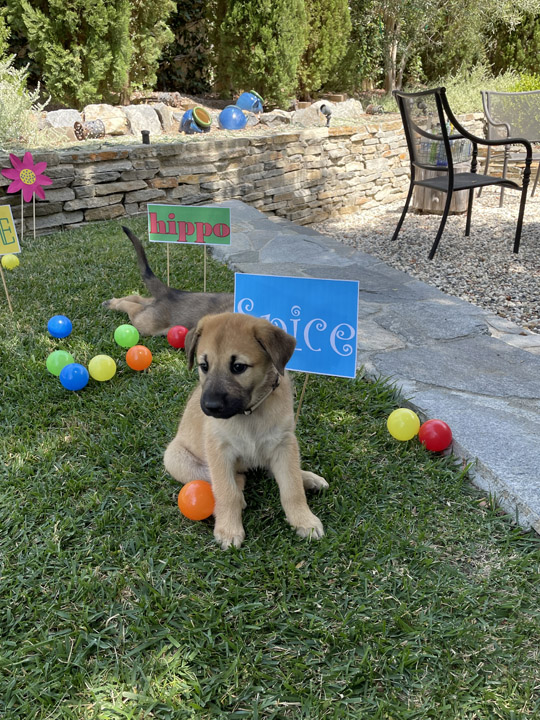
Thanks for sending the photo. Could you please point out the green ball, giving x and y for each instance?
(57, 360)
(126, 336)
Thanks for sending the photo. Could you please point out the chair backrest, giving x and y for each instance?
(517, 114)
(432, 140)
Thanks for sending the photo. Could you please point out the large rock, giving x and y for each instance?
(349, 111)
(62, 118)
(143, 117)
(168, 118)
(114, 118)
(312, 116)
(276, 118)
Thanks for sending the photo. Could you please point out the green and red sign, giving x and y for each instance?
(188, 224)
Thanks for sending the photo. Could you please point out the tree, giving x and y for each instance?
(410, 26)
(517, 47)
(92, 50)
(258, 46)
(186, 63)
(329, 25)
(362, 61)
(4, 33)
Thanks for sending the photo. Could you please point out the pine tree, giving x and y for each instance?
(329, 24)
(92, 50)
(259, 44)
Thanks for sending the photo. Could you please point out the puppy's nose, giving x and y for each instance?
(213, 404)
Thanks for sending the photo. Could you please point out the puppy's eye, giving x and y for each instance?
(238, 368)
(203, 367)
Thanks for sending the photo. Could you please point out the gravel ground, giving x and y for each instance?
(481, 269)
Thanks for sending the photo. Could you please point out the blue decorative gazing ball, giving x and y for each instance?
(232, 118)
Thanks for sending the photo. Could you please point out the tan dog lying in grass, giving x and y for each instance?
(167, 307)
(240, 417)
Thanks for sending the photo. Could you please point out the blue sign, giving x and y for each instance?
(321, 314)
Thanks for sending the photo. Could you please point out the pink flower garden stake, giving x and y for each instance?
(29, 179)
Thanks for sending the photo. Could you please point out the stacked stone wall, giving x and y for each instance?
(304, 175)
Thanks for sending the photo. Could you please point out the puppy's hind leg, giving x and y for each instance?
(183, 465)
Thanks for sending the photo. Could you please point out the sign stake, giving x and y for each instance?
(301, 398)
(204, 271)
(168, 266)
(5, 288)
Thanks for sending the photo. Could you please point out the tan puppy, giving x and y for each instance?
(239, 417)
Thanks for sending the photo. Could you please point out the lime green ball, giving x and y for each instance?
(10, 262)
(57, 360)
(126, 336)
(102, 367)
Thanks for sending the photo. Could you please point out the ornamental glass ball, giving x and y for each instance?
(232, 118)
(59, 326)
(126, 335)
(102, 368)
(196, 500)
(58, 360)
(74, 376)
(403, 424)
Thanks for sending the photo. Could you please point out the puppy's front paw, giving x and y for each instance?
(312, 481)
(309, 526)
(109, 303)
(227, 536)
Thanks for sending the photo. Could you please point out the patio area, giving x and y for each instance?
(481, 269)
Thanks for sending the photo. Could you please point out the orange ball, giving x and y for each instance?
(138, 357)
(196, 500)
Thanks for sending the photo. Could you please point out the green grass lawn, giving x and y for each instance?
(420, 602)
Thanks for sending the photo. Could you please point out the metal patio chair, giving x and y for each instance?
(436, 141)
(512, 114)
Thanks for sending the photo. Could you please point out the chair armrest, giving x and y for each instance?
(489, 119)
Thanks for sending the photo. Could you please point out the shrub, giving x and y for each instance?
(463, 87)
(186, 63)
(526, 81)
(329, 24)
(93, 51)
(18, 105)
(259, 46)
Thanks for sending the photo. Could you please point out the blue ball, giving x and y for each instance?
(232, 118)
(59, 326)
(74, 376)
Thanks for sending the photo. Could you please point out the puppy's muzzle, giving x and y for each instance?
(220, 404)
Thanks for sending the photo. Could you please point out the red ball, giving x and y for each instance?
(176, 336)
(435, 435)
(196, 500)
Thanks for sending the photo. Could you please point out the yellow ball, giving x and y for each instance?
(403, 424)
(102, 367)
(10, 262)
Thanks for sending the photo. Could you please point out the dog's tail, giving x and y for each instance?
(154, 284)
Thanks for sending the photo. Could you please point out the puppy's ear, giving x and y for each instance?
(278, 344)
(190, 344)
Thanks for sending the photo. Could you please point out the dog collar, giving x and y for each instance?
(264, 397)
